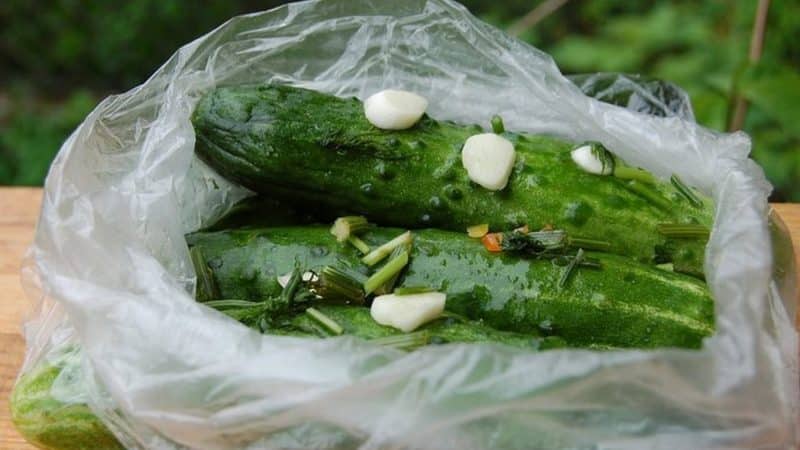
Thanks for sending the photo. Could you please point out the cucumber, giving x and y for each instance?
(357, 321)
(317, 150)
(622, 304)
(50, 423)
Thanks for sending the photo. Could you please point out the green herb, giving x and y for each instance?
(589, 244)
(685, 191)
(669, 267)
(408, 341)
(649, 193)
(617, 167)
(540, 244)
(206, 285)
(295, 291)
(356, 242)
(412, 290)
(570, 268)
(347, 226)
(325, 321)
(387, 287)
(590, 262)
(605, 157)
(677, 230)
(375, 256)
(338, 285)
(497, 125)
(230, 303)
(632, 173)
(263, 314)
(389, 270)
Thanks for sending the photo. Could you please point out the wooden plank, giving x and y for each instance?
(19, 209)
(10, 359)
(790, 214)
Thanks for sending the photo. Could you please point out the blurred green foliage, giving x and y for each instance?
(700, 45)
(59, 57)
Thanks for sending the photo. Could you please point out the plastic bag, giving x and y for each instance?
(111, 272)
(637, 93)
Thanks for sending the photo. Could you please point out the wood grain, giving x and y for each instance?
(19, 209)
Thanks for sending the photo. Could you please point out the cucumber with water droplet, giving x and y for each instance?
(319, 151)
(620, 304)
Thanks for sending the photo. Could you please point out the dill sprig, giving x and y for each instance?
(497, 124)
(539, 244)
(685, 191)
(605, 157)
(266, 313)
(206, 284)
(324, 321)
(570, 268)
(649, 193)
(337, 285)
(408, 341)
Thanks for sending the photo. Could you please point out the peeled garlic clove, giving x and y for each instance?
(394, 109)
(589, 161)
(407, 312)
(488, 159)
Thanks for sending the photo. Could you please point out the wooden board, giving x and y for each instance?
(19, 209)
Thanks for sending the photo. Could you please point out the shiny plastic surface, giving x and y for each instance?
(110, 270)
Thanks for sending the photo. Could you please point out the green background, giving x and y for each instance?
(58, 58)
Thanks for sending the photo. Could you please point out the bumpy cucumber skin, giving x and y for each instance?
(624, 304)
(357, 321)
(316, 149)
(50, 424)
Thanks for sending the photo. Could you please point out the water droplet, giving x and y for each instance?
(318, 252)
(435, 202)
(578, 212)
(425, 218)
(417, 145)
(366, 188)
(392, 142)
(383, 171)
(629, 277)
(452, 192)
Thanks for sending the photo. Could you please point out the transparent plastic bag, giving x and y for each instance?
(636, 93)
(110, 270)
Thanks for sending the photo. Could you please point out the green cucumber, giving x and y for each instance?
(622, 304)
(357, 321)
(50, 423)
(55, 425)
(319, 151)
